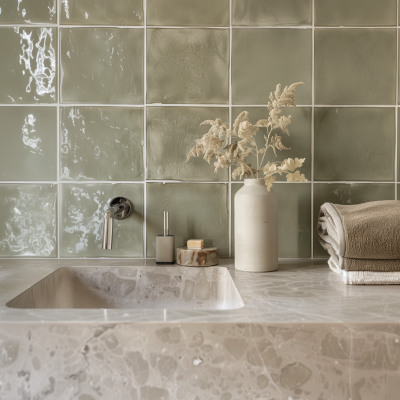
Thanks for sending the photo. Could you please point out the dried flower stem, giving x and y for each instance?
(211, 144)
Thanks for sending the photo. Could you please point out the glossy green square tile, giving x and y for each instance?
(271, 12)
(299, 140)
(101, 143)
(28, 220)
(354, 144)
(29, 144)
(398, 144)
(101, 12)
(171, 133)
(28, 65)
(198, 210)
(28, 12)
(82, 211)
(188, 12)
(355, 12)
(346, 193)
(294, 219)
(102, 65)
(262, 58)
(355, 66)
(187, 66)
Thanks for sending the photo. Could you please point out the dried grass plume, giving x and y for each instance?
(230, 146)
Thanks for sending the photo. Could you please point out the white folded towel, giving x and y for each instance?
(365, 277)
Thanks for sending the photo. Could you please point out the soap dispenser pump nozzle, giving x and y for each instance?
(166, 228)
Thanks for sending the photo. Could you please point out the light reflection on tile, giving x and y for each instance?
(28, 220)
(355, 66)
(28, 67)
(198, 210)
(29, 144)
(271, 12)
(262, 58)
(299, 140)
(294, 219)
(101, 12)
(171, 133)
(101, 143)
(346, 193)
(28, 12)
(187, 66)
(398, 144)
(188, 12)
(355, 12)
(102, 65)
(82, 211)
(348, 147)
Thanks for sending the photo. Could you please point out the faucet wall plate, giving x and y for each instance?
(124, 213)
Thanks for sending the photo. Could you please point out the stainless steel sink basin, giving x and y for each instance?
(185, 288)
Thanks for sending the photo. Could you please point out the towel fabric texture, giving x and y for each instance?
(363, 241)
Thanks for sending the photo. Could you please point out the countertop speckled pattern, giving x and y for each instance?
(300, 291)
(301, 334)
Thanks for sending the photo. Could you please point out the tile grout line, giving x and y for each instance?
(294, 27)
(312, 125)
(155, 105)
(191, 182)
(58, 224)
(396, 118)
(230, 236)
(145, 129)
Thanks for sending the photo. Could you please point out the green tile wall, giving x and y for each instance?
(355, 66)
(271, 12)
(82, 210)
(355, 13)
(171, 133)
(263, 57)
(195, 210)
(101, 143)
(101, 99)
(31, 139)
(28, 12)
(348, 147)
(188, 12)
(299, 140)
(102, 12)
(188, 66)
(28, 66)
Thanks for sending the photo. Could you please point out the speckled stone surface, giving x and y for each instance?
(301, 334)
(205, 257)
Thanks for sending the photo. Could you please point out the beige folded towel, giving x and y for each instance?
(361, 237)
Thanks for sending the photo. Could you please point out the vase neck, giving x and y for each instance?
(254, 182)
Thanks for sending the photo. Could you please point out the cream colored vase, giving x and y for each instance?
(256, 227)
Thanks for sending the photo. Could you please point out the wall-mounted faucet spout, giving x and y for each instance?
(120, 208)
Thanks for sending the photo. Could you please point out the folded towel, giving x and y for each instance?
(361, 237)
(366, 277)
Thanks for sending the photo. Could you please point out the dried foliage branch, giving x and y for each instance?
(217, 142)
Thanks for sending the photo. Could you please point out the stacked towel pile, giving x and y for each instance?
(363, 241)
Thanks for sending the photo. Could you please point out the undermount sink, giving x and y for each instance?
(184, 288)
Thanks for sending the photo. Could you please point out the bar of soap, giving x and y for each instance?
(195, 244)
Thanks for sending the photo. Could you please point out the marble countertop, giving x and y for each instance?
(301, 291)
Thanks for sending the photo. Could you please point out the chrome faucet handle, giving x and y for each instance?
(124, 203)
(120, 208)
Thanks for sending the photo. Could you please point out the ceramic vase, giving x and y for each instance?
(256, 227)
